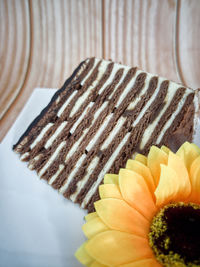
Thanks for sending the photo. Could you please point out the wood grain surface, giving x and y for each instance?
(42, 41)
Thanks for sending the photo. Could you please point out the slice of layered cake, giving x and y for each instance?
(104, 113)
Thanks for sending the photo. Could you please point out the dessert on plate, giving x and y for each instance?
(104, 113)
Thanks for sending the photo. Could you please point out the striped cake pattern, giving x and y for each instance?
(101, 116)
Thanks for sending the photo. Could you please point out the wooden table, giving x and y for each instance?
(42, 41)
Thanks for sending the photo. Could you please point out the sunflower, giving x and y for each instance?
(149, 214)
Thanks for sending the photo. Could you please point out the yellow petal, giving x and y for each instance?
(90, 216)
(111, 179)
(166, 188)
(97, 264)
(135, 191)
(114, 248)
(144, 171)
(195, 181)
(165, 149)
(171, 187)
(109, 190)
(178, 165)
(93, 227)
(188, 152)
(141, 158)
(156, 157)
(118, 215)
(143, 263)
(82, 255)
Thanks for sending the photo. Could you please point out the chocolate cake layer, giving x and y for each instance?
(103, 115)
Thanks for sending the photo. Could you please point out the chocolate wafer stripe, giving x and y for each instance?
(85, 77)
(143, 92)
(70, 101)
(85, 194)
(62, 94)
(27, 137)
(136, 86)
(83, 72)
(153, 130)
(139, 85)
(175, 119)
(86, 93)
(73, 157)
(41, 165)
(116, 79)
(36, 129)
(69, 125)
(136, 105)
(127, 79)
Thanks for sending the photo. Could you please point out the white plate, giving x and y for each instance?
(38, 227)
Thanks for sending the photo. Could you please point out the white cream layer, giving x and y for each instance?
(87, 109)
(82, 99)
(98, 111)
(172, 118)
(172, 89)
(120, 82)
(72, 174)
(111, 77)
(52, 158)
(96, 61)
(146, 107)
(32, 161)
(41, 135)
(63, 107)
(55, 135)
(138, 98)
(75, 146)
(113, 133)
(99, 132)
(23, 156)
(105, 169)
(53, 178)
(80, 185)
(128, 88)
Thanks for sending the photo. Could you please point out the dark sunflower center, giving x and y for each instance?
(175, 235)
